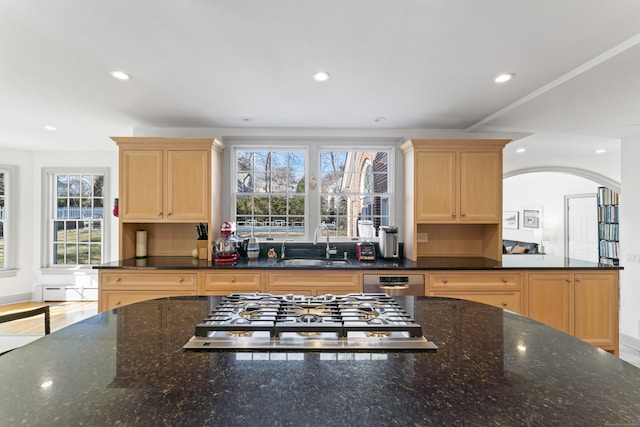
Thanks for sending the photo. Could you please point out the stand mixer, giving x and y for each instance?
(225, 248)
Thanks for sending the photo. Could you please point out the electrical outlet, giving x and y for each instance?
(423, 237)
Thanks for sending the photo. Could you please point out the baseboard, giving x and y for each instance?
(12, 299)
(629, 341)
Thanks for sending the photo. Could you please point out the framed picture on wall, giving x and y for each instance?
(510, 219)
(531, 218)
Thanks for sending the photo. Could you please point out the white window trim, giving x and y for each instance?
(48, 186)
(312, 170)
(11, 225)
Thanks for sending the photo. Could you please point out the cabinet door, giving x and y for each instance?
(187, 185)
(549, 298)
(596, 309)
(435, 186)
(141, 185)
(480, 186)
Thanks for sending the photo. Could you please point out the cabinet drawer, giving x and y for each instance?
(507, 300)
(314, 282)
(163, 280)
(225, 283)
(475, 280)
(115, 299)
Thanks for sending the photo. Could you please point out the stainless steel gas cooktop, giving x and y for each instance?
(264, 322)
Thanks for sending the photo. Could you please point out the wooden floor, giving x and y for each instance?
(63, 313)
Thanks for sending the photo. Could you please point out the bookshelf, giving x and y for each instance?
(608, 227)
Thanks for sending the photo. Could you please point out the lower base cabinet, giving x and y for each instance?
(314, 282)
(501, 290)
(583, 304)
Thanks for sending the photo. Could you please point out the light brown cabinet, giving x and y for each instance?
(119, 287)
(224, 283)
(314, 282)
(165, 188)
(458, 186)
(581, 303)
(170, 183)
(453, 198)
(501, 290)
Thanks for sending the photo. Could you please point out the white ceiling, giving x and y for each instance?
(421, 64)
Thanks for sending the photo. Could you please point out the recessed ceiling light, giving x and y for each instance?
(521, 150)
(246, 119)
(321, 76)
(379, 119)
(49, 127)
(505, 77)
(120, 75)
(600, 151)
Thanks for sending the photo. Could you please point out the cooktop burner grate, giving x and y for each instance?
(353, 322)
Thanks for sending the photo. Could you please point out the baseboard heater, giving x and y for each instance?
(69, 293)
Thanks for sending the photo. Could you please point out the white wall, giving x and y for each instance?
(29, 217)
(19, 286)
(630, 241)
(545, 190)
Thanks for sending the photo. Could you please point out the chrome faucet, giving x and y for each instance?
(282, 249)
(328, 251)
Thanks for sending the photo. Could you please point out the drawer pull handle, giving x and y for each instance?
(170, 213)
(233, 280)
(181, 280)
(395, 288)
(504, 280)
(118, 279)
(578, 280)
(444, 280)
(117, 302)
(504, 304)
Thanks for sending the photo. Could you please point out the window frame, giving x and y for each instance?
(10, 224)
(50, 206)
(312, 172)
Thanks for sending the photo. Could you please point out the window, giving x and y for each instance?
(77, 219)
(3, 217)
(277, 194)
(354, 191)
(269, 192)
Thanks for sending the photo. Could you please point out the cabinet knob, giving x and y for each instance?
(463, 214)
(169, 213)
(118, 279)
(159, 214)
(453, 215)
(233, 280)
(444, 280)
(578, 280)
(180, 280)
(567, 280)
(117, 302)
(504, 304)
(504, 280)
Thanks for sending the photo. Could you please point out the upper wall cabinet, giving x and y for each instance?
(452, 186)
(453, 198)
(165, 179)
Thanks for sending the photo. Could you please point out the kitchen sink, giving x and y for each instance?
(313, 262)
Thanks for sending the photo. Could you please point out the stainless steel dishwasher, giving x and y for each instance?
(394, 284)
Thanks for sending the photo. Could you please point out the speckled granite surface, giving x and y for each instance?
(492, 368)
(423, 263)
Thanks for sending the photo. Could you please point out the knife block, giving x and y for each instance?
(203, 248)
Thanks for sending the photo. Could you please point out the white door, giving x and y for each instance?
(581, 218)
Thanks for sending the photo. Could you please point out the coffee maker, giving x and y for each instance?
(388, 241)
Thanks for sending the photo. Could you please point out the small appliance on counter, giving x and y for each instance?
(250, 248)
(366, 251)
(225, 249)
(388, 241)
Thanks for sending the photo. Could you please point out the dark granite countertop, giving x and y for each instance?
(532, 261)
(492, 367)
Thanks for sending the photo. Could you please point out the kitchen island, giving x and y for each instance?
(492, 367)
